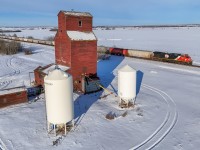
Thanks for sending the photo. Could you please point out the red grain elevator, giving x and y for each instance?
(76, 48)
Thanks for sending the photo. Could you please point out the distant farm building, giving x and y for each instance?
(13, 96)
(75, 48)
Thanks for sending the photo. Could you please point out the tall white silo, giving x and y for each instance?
(127, 84)
(59, 98)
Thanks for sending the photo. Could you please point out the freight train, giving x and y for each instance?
(29, 40)
(143, 54)
(156, 55)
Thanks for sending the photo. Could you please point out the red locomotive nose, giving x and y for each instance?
(189, 59)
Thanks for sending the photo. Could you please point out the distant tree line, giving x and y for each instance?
(9, 47)
(6, 31)
(54, 29)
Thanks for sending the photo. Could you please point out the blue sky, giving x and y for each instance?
(105, 12)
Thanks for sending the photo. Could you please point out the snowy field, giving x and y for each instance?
(167, 39)
(166, 115)
(37, 33)
(15, 68)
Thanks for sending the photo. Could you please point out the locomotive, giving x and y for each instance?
(172, 57)
(156, 55)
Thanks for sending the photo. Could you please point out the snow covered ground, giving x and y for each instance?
(179, 40)
(15, 68)
(37, 33)
(166, 115)
(168, 39)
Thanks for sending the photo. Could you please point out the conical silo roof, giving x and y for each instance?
(127, 68)
(57, 74)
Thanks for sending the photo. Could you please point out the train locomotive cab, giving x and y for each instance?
(184, 58)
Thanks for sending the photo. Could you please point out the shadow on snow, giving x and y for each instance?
(105, 70)
(139, 81)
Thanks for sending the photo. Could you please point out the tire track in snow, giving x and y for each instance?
(4, 68)
(14, 66)
(20, 64)
(4, 84)
(166, 126)
(9, 64)
(15, 71)
(2, 145)
(6, 65)
(22, 67)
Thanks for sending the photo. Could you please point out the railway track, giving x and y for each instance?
(165, 127)
(182, 64)
(2, 145)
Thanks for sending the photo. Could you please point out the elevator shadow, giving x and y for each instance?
(105, 70)
(139, 78)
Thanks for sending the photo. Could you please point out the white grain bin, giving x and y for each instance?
(59, 98)
(127, 83)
